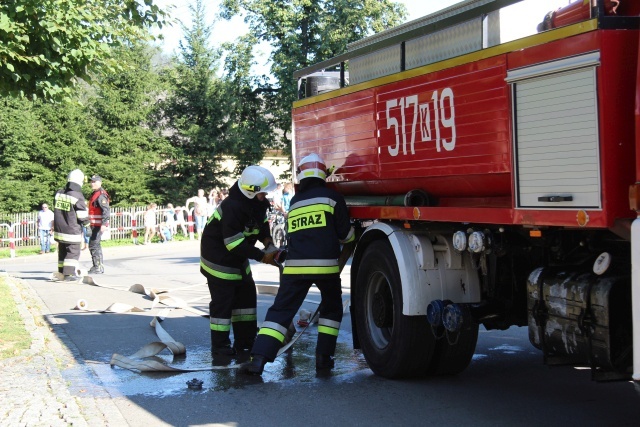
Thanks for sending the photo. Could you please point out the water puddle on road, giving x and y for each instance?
(294, 367)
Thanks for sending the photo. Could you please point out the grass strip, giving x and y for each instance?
(14, 338)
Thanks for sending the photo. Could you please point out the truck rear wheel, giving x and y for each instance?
(453, 354)
(394, 345)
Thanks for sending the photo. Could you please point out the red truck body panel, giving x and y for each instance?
(383, 139)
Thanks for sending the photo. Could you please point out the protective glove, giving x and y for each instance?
(281, 255)
(267, 241)
(271, 248)
(268, 258)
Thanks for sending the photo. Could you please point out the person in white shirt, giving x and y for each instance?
(45, 228)
(199, 211)
(276, 198)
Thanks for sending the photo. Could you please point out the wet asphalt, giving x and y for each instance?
(506, 383)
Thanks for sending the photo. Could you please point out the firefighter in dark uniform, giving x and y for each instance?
(70, 214)
(99, 213)
(228, 242)
(318, 222)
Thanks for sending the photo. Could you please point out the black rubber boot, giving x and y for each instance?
(96, 269)
(220, 343)
(225, 350)
(255, 366)
(324, 362)
(97, 265)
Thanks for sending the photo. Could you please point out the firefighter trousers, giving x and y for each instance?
(68, 258)
(233, 305)
(94, 246)
(291, 295)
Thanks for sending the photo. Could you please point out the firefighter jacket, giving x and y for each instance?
(99, 210)
(70, 214)
(229, 238)
(318, 222)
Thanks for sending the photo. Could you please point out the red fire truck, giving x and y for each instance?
(494, 183)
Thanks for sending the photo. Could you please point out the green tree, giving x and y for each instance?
(252, 128)
(303, 32)
(40, 144)
(109, 129)
(195, 115)
(46, 45)
(126, 147)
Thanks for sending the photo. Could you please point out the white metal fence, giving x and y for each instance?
(21, 229)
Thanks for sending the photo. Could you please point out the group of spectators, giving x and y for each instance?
(203, 207)
(281, 197)
(174, 217)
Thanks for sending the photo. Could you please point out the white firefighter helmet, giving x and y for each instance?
(256, 179)
(312, 166)
(76, 176)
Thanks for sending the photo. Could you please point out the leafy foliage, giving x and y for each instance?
(112, 135)
(154, 135)
(303, 32)
(126, 146)
(39, 145)
(253, 129)
(195, 115)
(46, 45)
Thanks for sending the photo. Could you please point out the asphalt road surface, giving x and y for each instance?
(505, 385)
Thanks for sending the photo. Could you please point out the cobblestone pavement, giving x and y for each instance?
(46, 385)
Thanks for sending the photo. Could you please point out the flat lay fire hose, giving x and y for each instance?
(139, 361)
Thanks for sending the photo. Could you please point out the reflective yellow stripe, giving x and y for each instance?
(311, 208)
(311, 202)
(234, 241)
(311, 270)
(70, 263)
(330, 323)
(327, 330)
(220, 274)
(63, 202)
(349, 239)
(351, 236)
(308, 216)
(234, 244)
(243, 315)
(244, 318)
(313, 219)
(220, 328)
(67, 238)
(272, 333)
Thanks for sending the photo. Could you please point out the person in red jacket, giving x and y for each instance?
(99, 213)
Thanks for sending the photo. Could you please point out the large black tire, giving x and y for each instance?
(394, 345)
(452, 355)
